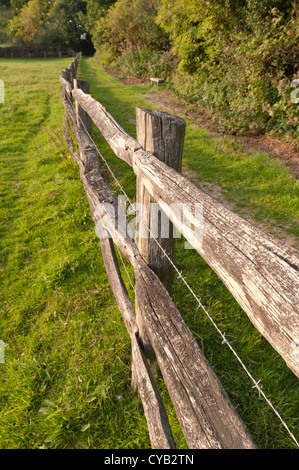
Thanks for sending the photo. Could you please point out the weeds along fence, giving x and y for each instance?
(260, 271)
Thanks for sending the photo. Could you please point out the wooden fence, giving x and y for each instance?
(31, 52)
(260, 271)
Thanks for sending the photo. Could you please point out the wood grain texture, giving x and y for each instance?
(66, 85)
(84, 118)
(118, 287)
(119, 140)
(154, 410)
(259, 270)
(97, 193)
(162, 134)
(206, 414)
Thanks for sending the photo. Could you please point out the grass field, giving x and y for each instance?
(65, 382)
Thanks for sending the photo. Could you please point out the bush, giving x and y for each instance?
(238, 62)
(142, 62)
(237, 58)
(129, 22)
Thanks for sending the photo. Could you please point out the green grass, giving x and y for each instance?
(257, 184)
(66, 378)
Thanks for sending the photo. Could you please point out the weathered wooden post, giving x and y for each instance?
(84, 118)
(163, 134)
(75, 83)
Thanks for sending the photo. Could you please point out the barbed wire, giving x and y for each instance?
(127, 272)
(256, 383)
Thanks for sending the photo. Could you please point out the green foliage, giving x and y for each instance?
(63, 24)
(6, 13)
(134, 20)
(17, 4)
(142, 62)
(238, 59)
(129, 22)
(25, 25)
(55, 23)
(92, 19)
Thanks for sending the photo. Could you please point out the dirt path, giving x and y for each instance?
(282, 151)
(287, 153)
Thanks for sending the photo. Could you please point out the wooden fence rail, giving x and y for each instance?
(260, 271)
(32, 51)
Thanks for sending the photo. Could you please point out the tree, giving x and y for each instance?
(65, 26)
(55, 23)
(133, 21)
(6, 14)
(26, 23)
(237, 57)
(94, 19)
(4, 3)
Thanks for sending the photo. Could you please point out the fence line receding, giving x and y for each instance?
(260, 271)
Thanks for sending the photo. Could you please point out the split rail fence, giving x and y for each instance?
(260, 271)
(32, 51)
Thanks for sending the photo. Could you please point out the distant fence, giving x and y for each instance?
(259, 270)
(31, 52)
